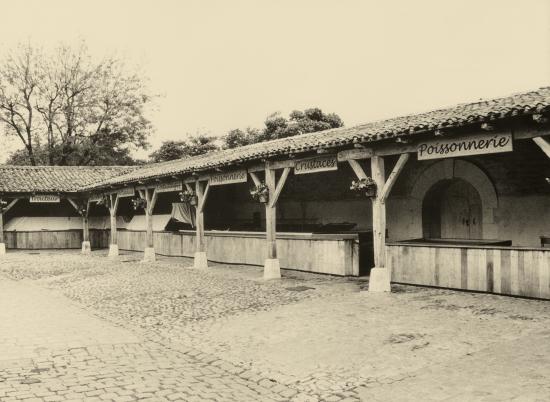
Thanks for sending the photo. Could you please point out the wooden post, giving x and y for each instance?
(543, 145)
(2, 244)
(272, 267)
(2, 212)
(113, 206)
(200, 260)
(151, 199)
(86, 246)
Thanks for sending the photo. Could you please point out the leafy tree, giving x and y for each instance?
(277, 126)
(196, 145)
(69, 109)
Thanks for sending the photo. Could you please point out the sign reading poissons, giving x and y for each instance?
(237, 176)
(465, 146)
(316, 164)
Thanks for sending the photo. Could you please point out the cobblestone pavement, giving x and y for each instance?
(88, 328)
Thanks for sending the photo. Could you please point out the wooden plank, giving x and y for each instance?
(354, 154)
(255, 178)
(204, 197)
(10, 205)
(543, 144)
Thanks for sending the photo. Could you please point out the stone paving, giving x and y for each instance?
(87, 328)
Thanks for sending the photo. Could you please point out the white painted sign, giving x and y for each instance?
(168, 187)
(316, 164)
(96, 198)
(45, 198)
(237, 176)
(465, 146)
(126, 192)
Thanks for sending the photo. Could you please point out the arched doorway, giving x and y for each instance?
(452, 209)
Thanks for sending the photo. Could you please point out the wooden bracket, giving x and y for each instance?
(255, 178)
(358, 169)
(10, 205)
(202, 201)
(279, 187)
(385, 191)
(114, 203)
(543, 144)
(152, 200)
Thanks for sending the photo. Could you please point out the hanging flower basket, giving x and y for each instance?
(366, 186)
(188, 197)
(260, 193)
(139, 203)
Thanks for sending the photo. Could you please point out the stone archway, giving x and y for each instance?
(450, 170)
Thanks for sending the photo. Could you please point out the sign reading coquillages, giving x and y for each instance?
(465, 146)
(126, 192)
(168, 187)
(45, 198)
(236, 176)
(316, 164)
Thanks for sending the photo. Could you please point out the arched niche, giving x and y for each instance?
(451, 170)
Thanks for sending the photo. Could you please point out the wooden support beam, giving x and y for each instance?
(543, 144)
(199, 219)
(280, 184)
(385, 191)
(206, 191)
(114, 199)
(358, 169)
(270, 217)
(255, 178)
(150, 198)
(10, 205)
(75, 205)
(378, 213)
(188, 187)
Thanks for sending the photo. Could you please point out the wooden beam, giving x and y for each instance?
(188, 187)
(543, 144)
(358, 169)
(270, 217)
(255, 178)
(385, 191)
(204, 196)
(153, 201)
(200, 245)
(75, 205)
(378, 213)
(10, 205)
(353, 154)
(280, 184)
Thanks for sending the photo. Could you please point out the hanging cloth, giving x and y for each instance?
(183, 212)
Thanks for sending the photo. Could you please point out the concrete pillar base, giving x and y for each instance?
(272, 269)
(86, 248)
(113, 251)
(2, 248)
(379, 280)
(200, 260)
(149, 254)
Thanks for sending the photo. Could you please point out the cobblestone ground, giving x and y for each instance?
(88, 328)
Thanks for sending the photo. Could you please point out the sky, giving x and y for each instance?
(220, 65)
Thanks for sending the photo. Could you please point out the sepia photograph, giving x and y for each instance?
(274, 200)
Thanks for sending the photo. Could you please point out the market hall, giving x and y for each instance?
(455, 198)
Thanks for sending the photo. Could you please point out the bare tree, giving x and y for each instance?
(68, 104)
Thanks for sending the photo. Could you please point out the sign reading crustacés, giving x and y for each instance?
(237, 176)
(465, 146)
(316, 164)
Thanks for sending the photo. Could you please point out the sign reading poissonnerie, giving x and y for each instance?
(236, 176)
(45, 198)
(465, 146)
(316, 164)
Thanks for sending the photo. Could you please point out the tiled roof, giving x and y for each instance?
(532, 102)
(54, 178)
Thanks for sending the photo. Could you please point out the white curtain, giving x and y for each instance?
(183, 212)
